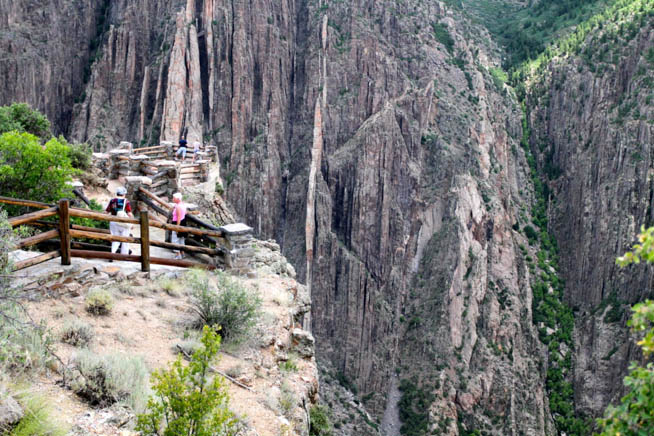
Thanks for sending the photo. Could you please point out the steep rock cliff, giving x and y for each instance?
(417, 181)
(590, 115)
(46, 50)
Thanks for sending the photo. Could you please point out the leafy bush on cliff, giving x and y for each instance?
(230, 306)
(31, 171)
(21, 118)
(320, 423)
(188, 400)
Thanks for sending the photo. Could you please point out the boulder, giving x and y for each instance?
(302, 342)
(10, 412)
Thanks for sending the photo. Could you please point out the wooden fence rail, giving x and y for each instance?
(66, 232)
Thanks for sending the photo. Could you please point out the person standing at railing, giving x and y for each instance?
(120, 206)
(179, 219)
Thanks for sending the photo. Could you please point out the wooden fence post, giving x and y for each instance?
(64, 231)
(145, 241)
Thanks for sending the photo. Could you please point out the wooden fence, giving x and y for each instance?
(69, 248)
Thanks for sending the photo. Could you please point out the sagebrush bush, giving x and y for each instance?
(99, 301)
(188, 400)
(320, 422)
(105, 380)
(23, 345)
(169, 286)
(39, 418)
(76, 333)
(287, 400)
(187, 347)
(230, 307)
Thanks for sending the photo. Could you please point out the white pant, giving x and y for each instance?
(182, 151)
(175, 239)
(117, 229)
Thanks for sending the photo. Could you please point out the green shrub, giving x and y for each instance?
(105, 380)
(219, 189)
(287, 400)
(289, 365)
(320, 423)
(21, 118)
(187, 400)
(31, 171)
(99, 301)
(76, 333)
(39, 418)
(23, 345)
(443, 36)
(80, 154)
(414, 408)
(230, 306)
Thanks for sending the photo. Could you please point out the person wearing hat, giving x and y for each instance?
(120, 206)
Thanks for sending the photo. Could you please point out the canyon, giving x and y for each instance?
(379, 144)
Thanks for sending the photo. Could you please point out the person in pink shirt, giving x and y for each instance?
(179, 219)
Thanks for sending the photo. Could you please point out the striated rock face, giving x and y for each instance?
(408, 197)
(591, 128)
(45, 53)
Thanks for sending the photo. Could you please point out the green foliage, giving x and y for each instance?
(99, 301)
(320, 422)
(499, 77)
(89, 222)
(229, 306)
(414, 408)
(611, 22)
(76, 333)
(187, 400)
(23, 345)
(31, 171)
(114, 378)
(443, 36)
(287, 399)
(531, 234)
(39, 418)
(289, 365)
(21, 118)
(634, 415)
(80, 154)
(548, 307)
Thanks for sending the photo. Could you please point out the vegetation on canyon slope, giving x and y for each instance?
(633, 415)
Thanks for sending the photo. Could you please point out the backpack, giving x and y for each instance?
(121, 213)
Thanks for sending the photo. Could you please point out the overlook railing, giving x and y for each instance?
(226, 249)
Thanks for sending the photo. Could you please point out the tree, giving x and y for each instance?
(188, 401)
(635, 413)
(22, 118)
(31, 171)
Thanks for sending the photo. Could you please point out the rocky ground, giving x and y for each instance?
(151, 316)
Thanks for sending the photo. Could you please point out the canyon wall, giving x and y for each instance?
(378, 129)
(590, 115)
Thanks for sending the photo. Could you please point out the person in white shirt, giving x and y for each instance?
(196, 150)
